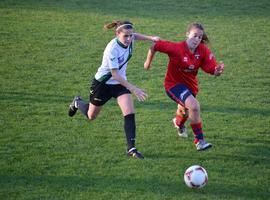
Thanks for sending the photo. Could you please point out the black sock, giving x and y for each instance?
(83, 107)
(130, 130)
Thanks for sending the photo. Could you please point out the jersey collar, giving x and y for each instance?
(187, 49)
(121, 44)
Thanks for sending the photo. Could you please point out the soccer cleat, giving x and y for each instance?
(72, 108)
(182, 131)
(134, 153)
(203, 145)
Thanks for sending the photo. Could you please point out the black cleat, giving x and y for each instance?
(134, 153)
(72, 109)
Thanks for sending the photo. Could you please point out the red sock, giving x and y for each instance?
(197, 130)
(180, 121)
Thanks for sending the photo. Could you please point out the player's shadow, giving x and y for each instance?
(101, 185)
(30, 97)
(104, 185)
(236, 110)
(170, 105)
(163, 104)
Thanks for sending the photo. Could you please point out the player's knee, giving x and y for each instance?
(186, 114)
(182, 112)
(195, 108)
(91, 117)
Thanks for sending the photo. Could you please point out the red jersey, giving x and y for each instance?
(183, 65)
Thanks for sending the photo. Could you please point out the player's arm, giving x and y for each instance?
(210, 64)
(138, 36)
(139, 93)
(162, 46)
(214, 68)
(150, 57)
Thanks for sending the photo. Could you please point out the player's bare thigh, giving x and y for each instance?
(193, 106)
(125, 103)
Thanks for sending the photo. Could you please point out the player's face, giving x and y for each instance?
(125, 36)
(194, 38)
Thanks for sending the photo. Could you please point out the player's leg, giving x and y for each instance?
(88, 109)
(193, 106)
(99, 95)
(126, 105)
(93, 111)
(181, 117)
(196, 124)
(179, 93)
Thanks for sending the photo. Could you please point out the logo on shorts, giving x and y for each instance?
(183, 94)
(97, 99)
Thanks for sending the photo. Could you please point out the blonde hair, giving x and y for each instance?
(118, 25)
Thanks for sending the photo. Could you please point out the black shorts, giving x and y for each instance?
(100, 92)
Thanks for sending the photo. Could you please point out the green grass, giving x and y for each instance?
(49, 50)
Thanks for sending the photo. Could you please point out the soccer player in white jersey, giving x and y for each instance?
(111, 81)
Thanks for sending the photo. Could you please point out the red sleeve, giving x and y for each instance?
(165, 46)
(209, 62)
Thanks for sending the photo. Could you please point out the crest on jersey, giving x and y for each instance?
(197, 56)
(191, 67)
(185, 59)
(121, 59)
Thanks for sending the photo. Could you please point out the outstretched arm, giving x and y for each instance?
(150, 57)
(138, 36)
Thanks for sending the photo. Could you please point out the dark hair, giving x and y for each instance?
(117, 23)
(205, 38)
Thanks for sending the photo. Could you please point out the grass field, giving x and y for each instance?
(49, 50)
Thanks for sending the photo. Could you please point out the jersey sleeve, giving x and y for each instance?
(164, 47)
(209, 63)
(112, 57)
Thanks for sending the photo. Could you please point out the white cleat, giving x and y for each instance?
(203, 145)
(182, 132)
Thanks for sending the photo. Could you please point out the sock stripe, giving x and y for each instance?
(199, 136)
(198, 131)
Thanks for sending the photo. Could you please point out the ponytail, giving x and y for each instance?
(118, 25)
(111, 25)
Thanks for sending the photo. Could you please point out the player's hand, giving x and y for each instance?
(219, 69)
(140, 94)
(155, 38)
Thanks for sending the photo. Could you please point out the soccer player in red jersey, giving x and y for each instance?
(181, 84)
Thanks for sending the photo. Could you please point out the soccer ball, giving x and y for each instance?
(195, 177)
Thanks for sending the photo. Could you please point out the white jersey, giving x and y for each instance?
(115, 56)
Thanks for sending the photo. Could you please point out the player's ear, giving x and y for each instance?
(187, 33)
